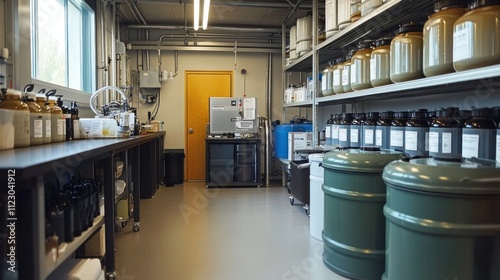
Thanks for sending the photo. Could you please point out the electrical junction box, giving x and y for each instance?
(149, 79)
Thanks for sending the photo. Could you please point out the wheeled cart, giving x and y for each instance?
(299, 182)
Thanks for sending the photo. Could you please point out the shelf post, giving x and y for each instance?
(315, 72)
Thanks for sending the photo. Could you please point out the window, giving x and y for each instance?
(63, 43)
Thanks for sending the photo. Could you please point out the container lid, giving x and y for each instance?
(474, 4)
(387, 115)
(444, 4)
(383, 41)
(496, 112)
(348, 116)
(41, 97)
(401, 115)
(482, 113)
(364, 160)
(431, 175)
(316, 157)
(420, 114)
(31, 96)
(410, 27)
(365, 44)
(372, 115)
(13, 93)
(449, 112)
(465, 114)
(360, 116)
(53, 98)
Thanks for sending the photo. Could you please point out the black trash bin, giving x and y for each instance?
(174, 166)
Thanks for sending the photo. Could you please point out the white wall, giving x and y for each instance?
(172, 106)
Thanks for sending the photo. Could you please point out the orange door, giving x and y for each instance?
(200, 86)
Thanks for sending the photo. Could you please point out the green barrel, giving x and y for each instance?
(354, 223)
(443, 220)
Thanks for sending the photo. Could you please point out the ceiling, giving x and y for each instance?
(227, 18)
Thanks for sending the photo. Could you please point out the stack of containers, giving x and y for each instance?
(293, 43)
(304, 35)
(331, 18)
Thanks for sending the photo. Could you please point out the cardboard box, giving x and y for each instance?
(298, 141)
(96, 245)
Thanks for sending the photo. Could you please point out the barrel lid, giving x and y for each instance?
(383, 41)
(364, 160)
(445, 4)
(431, 175)
(410, 27)
(419, 114)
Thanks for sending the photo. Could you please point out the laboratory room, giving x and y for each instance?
(250, 140)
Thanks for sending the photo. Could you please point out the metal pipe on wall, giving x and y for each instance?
(268, 117)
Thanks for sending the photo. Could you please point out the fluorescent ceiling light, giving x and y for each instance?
(196, 17)
(206, 9)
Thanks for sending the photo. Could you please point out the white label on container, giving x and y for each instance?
(427, 141)
(48, 128)
(61, 126)
(411, 140)
(342, 134)
(373, 69)
(470, 145)
(397, 138)
(434, 142)
(336, 78)
(498, 148)
(335, 131)
(369, 136)
(345, 76)
(378, 137)
(37, 128)
(354, 68)
(328, 131)
(354, 135)
(446, 139)
(463, 35)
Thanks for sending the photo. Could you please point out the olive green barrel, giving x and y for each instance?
(354, 223)
(443, 220)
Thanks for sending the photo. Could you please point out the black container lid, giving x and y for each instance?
(496, 112)
(365, 44)
(410, 27)
(339, 60)
(372, 115)
(401, 115)
(360, 116)
(383, 41)
(482, 113)
(474, 4)
(420, 114)
(348, 116)
(338, 116)
(431, 114)
(465, 114)
(387, 115)
(444, 4)
(449, 112)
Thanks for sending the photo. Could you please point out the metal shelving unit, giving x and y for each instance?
(384, 21)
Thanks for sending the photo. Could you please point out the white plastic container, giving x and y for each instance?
(304, 35)
(317, 201)
(98, 128)
(331, 18)
(344, 13)
(293, 43)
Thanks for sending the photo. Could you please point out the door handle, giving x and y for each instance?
(191, 131)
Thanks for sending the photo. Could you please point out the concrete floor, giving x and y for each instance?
(190, 232)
